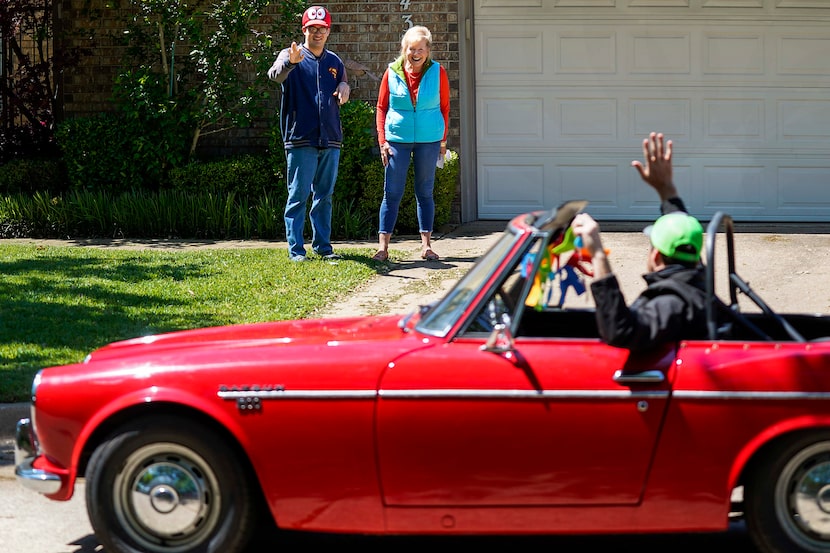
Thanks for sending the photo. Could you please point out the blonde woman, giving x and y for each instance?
(412, 120)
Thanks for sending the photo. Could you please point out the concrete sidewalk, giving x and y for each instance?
(787, 266)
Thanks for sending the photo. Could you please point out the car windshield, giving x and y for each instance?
(439, 320)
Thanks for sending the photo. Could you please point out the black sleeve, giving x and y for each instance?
(649, 322)
(673, 204)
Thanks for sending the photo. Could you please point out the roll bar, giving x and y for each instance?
(714, 305)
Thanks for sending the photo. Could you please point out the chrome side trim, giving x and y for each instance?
(298, 394)
(756, 395)
(443, 394)
(521, 394)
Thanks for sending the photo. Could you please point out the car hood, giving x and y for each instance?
(308, 332)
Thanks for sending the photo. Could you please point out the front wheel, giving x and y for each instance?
(788, 500)
(168, 485)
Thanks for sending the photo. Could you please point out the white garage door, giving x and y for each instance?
(567, 89)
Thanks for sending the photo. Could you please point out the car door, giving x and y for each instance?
(544, 424)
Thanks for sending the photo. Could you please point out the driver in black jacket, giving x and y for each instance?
(672, 307)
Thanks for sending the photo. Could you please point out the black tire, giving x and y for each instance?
(168, 485)
(787, 503)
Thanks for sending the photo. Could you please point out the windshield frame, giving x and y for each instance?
(450, 310)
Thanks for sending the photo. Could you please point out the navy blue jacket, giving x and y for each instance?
(309, 111)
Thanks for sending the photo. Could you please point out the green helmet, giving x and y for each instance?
(677, 235)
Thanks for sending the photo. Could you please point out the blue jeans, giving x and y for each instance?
(311, 171)
(423, 155)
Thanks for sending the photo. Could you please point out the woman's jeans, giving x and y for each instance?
(423, 155)
(310, 171)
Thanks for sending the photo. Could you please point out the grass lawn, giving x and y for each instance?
(59, 303)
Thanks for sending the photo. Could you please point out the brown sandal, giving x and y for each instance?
(429, 255)
(381, 255)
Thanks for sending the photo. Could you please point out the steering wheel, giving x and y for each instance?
(493, 313)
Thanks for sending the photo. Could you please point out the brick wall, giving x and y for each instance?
(364, 34)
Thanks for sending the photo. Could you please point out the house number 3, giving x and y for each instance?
(407, 17)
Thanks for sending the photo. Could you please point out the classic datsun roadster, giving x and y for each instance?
(495, 410)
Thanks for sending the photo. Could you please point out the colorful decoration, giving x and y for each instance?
(552, 269)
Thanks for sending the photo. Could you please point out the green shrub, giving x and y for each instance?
(117, 152)
(104, 153)
(247, 176)
(360, 172)
(32, 175)
(359, 151)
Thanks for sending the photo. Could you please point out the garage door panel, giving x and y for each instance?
(733, 53)
(804, 55)
(520, 52)
(802, 4)
(592, 53)
(659, 53)
(511, 186)
(733, 186)
(673, 116)
(738, 119)
(733, 3)
(803, 188)
(807, 120)
(583, 118)
(512, 120)
(597, 183)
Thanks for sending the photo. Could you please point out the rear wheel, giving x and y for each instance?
(788, 501)
(168, 485)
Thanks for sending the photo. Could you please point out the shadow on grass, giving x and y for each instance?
(58, 307)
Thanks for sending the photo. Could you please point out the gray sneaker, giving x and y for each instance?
(297, 258)
(332, 256)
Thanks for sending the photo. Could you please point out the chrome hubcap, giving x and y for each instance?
(802, 498)
(810, 498)
(167, 497)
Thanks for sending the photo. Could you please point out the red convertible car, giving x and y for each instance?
(495, 410)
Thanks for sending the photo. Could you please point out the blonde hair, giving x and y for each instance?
(413, 35)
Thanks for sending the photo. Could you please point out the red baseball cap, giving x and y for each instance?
(317, 16)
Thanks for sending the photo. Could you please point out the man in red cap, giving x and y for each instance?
(314, 85)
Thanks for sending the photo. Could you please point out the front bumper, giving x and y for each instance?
(25, 453)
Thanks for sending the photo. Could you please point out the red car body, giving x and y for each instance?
(445, 421)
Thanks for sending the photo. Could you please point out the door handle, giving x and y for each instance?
(645, 377)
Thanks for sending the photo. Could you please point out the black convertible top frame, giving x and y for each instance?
(714, 305)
